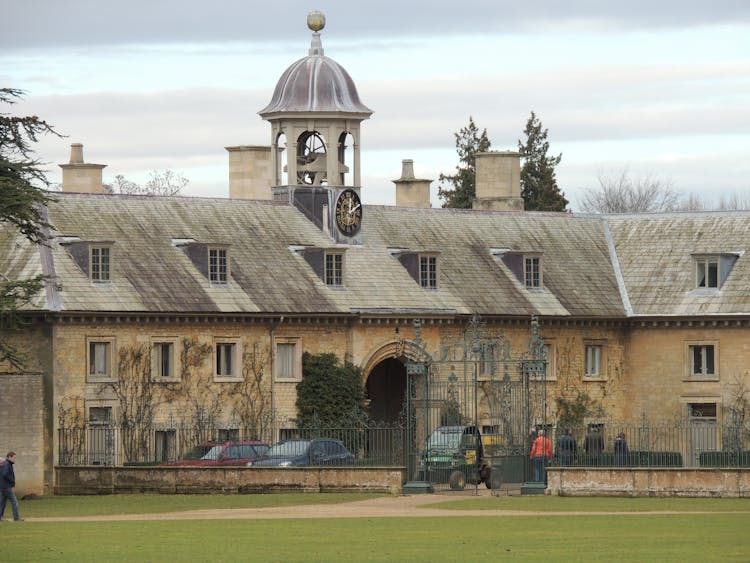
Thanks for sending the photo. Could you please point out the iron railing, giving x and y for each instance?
(371, 443)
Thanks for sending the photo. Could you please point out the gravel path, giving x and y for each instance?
(389, 506)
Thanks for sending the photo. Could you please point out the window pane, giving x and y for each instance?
(100, 414)
(334, 269)
(593, 360)
(99, 358)
(702, 360)
(285, 360)
(217, 265)
(100, 263)
(700, 273)
(713, 274)
(709, 354)
(224, 359)
(428, 271)
(531, 272)
(164, 356)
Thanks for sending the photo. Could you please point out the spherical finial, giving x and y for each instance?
(316, 20)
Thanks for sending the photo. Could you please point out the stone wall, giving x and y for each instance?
(22, 428)
(202, 480)
(643, 482)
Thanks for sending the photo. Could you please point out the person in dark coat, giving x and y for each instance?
(593, 444)
(566, 449)
(622, 453)
(7, 483)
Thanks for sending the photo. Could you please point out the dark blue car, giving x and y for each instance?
(294, 453)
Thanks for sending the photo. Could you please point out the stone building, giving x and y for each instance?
(646, 314)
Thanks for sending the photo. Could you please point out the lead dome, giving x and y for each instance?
(315, 83)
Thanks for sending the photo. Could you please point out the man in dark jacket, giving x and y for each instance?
(567, 449)
(7, 482)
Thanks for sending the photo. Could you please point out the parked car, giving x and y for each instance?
(320, 451)
(224, 453)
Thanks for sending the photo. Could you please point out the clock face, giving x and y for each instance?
(348, 212)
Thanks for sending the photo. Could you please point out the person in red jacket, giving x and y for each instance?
(541, 453)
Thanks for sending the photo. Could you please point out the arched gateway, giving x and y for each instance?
(385, 379)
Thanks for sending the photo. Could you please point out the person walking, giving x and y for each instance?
(7, 483)
(541, 453)
(567, 449)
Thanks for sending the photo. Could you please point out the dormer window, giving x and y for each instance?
(422, 266)
(100, 264)
(711, 270)
(94, 258)
(334, 269)
(526, 267)
(217, 265)
(328, 264)
(211, 260)
(428, 271)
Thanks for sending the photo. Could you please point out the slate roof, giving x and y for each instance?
(655, 253)
(593, 266)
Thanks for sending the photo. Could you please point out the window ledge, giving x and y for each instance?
(595, 378)
(165, 379)
(287, 379)
(700, 379)
(227, 378)
(705, 291)
(101, 379)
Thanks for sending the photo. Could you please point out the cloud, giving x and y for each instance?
(37, 23)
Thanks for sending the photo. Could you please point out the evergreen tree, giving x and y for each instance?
(461, 194)
(539, 187)
(329, 394)
(21, 205)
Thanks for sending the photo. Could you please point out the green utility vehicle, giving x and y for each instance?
(456, 455)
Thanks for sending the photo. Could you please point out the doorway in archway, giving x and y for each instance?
(386, 386)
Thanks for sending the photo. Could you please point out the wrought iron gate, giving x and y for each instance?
(473, 406)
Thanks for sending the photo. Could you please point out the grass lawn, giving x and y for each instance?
(720, 535)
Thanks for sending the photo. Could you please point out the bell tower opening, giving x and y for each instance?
(311, 159)
(386, 388)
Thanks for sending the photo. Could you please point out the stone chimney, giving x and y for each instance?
(250, 172)
(498, 181)
(78, 176)
(410, 191)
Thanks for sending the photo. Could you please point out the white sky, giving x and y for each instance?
(661, 87)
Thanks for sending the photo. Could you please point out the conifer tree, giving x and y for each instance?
(539, 187)
(21, 206)
(461, 191)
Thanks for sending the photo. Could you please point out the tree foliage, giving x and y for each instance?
(160, 183)
(329, 393)
(619, 192)
(21, 205)
(461, 190)
(21, 175)
(573, 410)
(539, 187)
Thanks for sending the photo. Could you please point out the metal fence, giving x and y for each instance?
(692, 443)
(371, 443)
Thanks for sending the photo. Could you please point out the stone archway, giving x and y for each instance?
(386, 387)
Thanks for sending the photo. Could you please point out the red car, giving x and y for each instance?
(226, 453)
